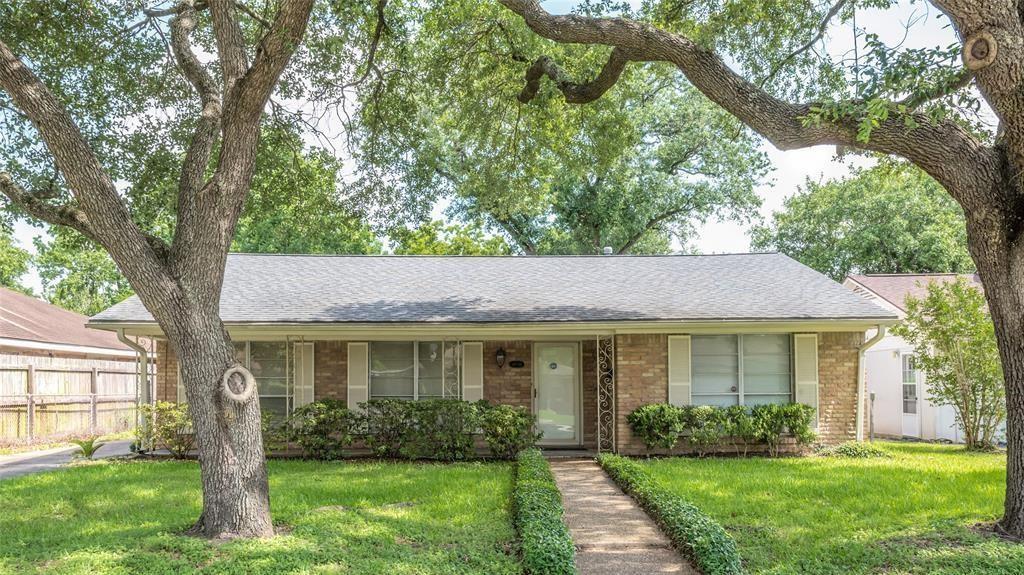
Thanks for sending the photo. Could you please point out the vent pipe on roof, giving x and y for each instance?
(608, 250)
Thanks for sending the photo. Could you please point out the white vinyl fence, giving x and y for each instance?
(44, 397)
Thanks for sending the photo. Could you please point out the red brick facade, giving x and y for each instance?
(641, 377)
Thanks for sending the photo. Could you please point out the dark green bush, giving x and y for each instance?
(853, 450)
(739, 428)
(507, 429)
(705, 427)
(440, 429)
(168, 426)
(324, 429)
(547, 547)
(697, 535)
(386, 425)
(772, 422)
(657, 424)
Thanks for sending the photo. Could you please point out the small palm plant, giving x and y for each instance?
(88, 447)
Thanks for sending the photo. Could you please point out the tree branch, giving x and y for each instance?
(230, 42)
(371, 54)
(574, 93)
(808, 45)
(942, 148)
(35, 205)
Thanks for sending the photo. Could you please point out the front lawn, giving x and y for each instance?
(912, 513)
(352, 518)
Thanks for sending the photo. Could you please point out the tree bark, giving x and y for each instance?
(180, 284)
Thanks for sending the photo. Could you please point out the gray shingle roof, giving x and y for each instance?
(388, 289)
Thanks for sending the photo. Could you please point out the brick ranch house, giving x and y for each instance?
(580, 340)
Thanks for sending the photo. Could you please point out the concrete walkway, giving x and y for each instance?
(50, 459)
(612, 534)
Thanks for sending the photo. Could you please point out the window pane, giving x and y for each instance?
(757, 399)
(272, 386)
(451, 370)
(715, 367)
(713, 344)
(391, 369)
(719, 400)
(240, 352)
(267, 358)
(431, 369)
(772, 383)
(276, 405)
(767, 368)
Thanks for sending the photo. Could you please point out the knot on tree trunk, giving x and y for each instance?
(248, 385)
(980, 50)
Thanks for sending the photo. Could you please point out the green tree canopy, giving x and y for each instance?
(891, 218)
(14, 261)
(440, 239)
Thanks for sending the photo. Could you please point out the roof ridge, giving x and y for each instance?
(506, 256)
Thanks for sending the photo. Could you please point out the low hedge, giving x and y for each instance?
(547, 547)
(702, 539)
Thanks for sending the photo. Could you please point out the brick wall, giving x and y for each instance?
(166, 372)
(837, 385)
(509, 385)
(641, 377)
(330, 370)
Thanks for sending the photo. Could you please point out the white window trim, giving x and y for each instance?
(740, 387)
(416, 369)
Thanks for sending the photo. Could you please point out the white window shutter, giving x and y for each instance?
(181, 397)
(358, 374)
(679, 376)
(472, 371)
(302, 366)
(805, 363)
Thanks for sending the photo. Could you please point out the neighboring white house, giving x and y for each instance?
(901, 405)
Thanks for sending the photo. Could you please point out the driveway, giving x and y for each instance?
(50, 459)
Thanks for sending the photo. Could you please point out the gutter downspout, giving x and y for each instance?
(143, 397)
(860, 378)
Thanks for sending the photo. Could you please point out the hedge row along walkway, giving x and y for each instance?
(612, 534)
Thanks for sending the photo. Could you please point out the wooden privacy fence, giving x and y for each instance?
(52, 397)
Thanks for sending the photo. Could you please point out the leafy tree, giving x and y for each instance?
(955, 344)
(77, 274)
(107, 102)
(14, 262)
(769, 65)
(892, 218)
(438, 238)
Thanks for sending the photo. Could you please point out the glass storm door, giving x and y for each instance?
(911, 397)
(556, 388)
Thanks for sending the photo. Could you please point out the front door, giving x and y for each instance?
(556, 381)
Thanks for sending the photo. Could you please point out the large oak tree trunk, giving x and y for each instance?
(236, 499)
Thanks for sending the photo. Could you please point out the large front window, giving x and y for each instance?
(268, 362)
(747, 369)
(414, 370)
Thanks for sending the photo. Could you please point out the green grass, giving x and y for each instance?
(353, 518)
(912, 513)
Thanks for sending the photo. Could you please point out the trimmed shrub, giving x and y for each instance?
(702, 539)
(772, 421)
(440, 429)
(739, 427)
(853, 450)
(657, 424)
(387, 421)
(169, 426)
(547, 547)
(324, 428)
(705, 426)
(507, 429)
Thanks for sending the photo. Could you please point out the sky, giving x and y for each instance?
(790, 169)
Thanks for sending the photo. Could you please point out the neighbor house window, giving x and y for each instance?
(909, 385)
(268, 362)
(414, 370)
(747, 369)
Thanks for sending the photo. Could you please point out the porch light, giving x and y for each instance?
(499, 357)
